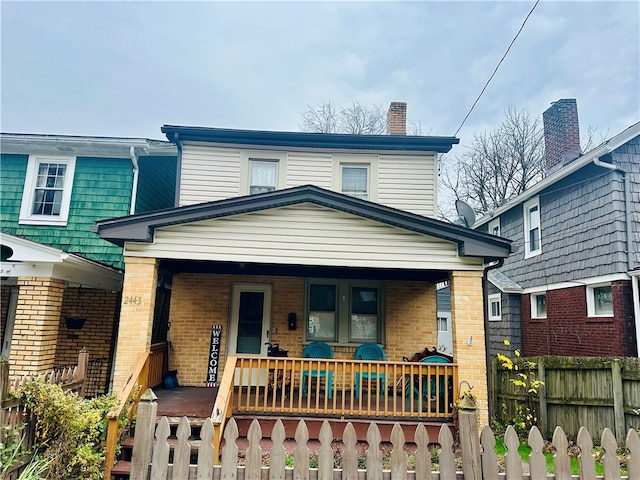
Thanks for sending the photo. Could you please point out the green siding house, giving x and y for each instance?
(53, 266)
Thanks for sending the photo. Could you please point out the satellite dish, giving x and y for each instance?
(466, 213)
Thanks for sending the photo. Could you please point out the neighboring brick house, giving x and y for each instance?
(338, 230)
(571, 287)
(54, 268)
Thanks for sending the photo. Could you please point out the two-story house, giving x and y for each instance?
(295, 238)
(61, 283)
(571, 286)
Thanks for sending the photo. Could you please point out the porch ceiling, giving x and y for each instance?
(235, 268)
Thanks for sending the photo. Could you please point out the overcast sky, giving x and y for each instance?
(126, 68)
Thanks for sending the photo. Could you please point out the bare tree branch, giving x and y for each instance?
(500, 164)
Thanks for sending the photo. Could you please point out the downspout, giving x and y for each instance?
(176, 140)
(636, 307)
(134, 188)
(485, 318)
(630, 265)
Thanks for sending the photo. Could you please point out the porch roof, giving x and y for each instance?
(141, 227)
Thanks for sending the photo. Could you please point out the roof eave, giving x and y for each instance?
(310, 140)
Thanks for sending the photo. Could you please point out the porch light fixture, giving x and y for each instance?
(75, 323)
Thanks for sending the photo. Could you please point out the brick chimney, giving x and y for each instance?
(561, 134)
(397, 118)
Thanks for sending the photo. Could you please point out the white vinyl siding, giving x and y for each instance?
(208, 174)
(309, 169)
(408, 183)
(304, 235)
(405, 182)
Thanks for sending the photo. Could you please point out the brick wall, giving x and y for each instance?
(568, 330)
(467, 314)
(397, 118)
(35, 332)
(101, 308)
(410, 318)
(199, 301)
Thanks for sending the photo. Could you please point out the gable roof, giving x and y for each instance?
(140, 228)
(587, 158)
(309, 140)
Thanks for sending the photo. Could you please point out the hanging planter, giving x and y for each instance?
(75, 323)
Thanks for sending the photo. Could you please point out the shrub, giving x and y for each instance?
(70, 431)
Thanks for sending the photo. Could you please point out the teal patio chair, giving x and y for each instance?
(317, 350)
(429, 388)
(372, 352)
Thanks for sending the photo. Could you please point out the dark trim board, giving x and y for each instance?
(225, 136)
(306, 271)
(140, 228)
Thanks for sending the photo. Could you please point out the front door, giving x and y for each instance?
(249, 325)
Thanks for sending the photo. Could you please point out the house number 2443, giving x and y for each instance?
(128, 300)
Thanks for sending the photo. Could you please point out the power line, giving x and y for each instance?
(497, 66)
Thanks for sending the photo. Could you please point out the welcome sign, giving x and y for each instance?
(214, 356)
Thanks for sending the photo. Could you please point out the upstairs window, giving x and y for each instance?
(532, 238)
(599, 301)
(494, 227)
(355, 181)
(264, 176)
(47, 190)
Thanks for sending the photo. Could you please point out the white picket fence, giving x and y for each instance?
(151, 458)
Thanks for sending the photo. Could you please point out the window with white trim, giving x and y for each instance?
(532, 234)
(494, 227)
(355, 181)
(443, 324)
(495, 307)
(47, 190)
(538, 305)
(344, 311)
(264, 176)
(599, 300)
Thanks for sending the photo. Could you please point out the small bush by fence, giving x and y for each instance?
(16, 421)
(593, 392)
(155, 457)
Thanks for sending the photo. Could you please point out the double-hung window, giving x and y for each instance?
(532, 235)
(47, 190)
(344, 311)
(264, 176)
(355, 181)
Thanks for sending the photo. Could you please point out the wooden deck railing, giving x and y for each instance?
(158, 363)
(139, 378)
(391, 390)
(386, 389)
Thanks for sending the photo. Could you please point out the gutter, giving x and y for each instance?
(136, 171)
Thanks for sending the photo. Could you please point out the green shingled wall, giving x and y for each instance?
(101, 189)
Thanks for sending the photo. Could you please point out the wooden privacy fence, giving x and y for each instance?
(15, 416)
(157, 456)
(593, 392)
